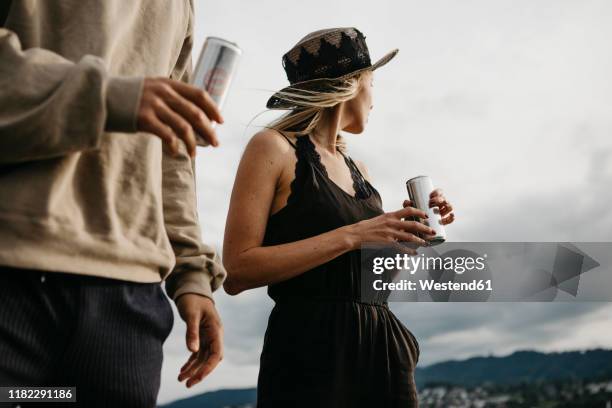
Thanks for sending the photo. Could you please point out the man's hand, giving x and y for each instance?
(173, 110)
(204, 337)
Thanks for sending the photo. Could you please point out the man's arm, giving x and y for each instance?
(198, 267)
(50, 106)
(198, 270)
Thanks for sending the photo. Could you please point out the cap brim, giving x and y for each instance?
(384, 60)
(277, 101)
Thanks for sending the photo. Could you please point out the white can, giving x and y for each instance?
(419, 188)
(214, 71)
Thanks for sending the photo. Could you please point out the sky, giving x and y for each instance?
(504, 104)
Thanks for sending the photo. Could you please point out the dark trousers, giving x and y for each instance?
(102, 336)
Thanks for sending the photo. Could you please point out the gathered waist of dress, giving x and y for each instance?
(333, 299)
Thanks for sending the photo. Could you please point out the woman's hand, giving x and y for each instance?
(390, 227)
(437, 199)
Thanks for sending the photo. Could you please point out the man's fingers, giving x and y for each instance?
(406, 203)
(195, 116)
(210, 355)
(213, 359)
(201, 98)
(189, 367)
(180, 126)
(200, 358)
(163, 131)
(193, 333)
(187, 110)
(189, 362)
(207, 359)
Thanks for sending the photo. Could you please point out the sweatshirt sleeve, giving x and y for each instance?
(50, 106)
(198, 267)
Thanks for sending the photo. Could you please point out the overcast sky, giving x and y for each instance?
(505, 104)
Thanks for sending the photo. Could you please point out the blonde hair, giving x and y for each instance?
(311, 105)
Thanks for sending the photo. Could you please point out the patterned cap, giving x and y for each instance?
(324, 57)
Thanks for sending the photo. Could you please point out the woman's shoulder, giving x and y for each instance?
(270, 150)
(270, 141)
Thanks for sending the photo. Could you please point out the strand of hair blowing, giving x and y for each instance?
(311, 105)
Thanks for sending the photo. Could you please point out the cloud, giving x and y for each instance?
(461, 330)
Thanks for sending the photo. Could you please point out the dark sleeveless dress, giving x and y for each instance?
(323, 346)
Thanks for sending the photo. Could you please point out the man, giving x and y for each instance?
(97, 198)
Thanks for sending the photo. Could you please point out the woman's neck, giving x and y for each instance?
(326, 132)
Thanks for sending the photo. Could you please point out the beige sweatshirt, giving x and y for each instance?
(80, 190)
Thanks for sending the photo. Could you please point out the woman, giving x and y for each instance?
(300, 209)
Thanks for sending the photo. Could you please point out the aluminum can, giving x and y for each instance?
(215, 70)
(419, 188)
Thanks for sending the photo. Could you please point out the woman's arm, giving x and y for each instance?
(248, 264)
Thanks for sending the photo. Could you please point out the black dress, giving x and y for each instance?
(323, 346)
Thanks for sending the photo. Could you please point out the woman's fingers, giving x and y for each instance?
(442, 203)
(446, 210)
(448, 219)
(436, 192)
(438, 201)
(407, 237)
(414, 227)
(409, 212)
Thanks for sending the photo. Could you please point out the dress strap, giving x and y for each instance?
(288, 140)
(306, 150)
(303, 167)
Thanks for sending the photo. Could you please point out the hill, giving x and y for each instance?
(521, 367)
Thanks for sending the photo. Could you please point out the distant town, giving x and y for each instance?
(575, 394)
